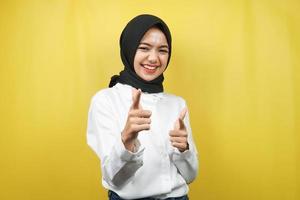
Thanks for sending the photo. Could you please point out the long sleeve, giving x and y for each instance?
(104, 137)
(187, 161)
(155, 169)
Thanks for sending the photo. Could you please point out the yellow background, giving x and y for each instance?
(236, 63)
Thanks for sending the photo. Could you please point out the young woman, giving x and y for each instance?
(141, 134)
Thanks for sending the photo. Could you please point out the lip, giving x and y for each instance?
(151, 68)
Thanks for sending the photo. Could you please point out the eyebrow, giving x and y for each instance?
(162, 46)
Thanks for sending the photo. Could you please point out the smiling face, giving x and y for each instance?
(151, 57)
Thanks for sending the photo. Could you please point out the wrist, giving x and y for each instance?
(128, 143)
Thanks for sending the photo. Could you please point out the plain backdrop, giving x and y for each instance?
(237, 63)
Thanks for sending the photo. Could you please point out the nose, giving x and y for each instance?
(153, 57)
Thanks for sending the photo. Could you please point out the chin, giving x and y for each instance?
(148, 78)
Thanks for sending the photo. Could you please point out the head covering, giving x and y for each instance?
(129, 42)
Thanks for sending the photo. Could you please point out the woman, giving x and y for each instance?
(141, 134)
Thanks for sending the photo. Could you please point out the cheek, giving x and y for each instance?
(136, 61)
(164, 59)
(139, 56)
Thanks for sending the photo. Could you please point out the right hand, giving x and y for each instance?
(137, 120)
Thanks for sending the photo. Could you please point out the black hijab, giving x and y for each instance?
(129, 42)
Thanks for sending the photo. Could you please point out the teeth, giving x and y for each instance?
(149, 67)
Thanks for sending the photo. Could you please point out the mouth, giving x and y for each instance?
(149, 69)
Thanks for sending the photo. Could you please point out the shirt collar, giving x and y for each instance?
(126, 90)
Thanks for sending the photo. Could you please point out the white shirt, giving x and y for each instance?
(156, 169)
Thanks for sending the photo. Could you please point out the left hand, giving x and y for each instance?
(178, 136)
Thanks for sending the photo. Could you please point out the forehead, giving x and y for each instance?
(154, 34)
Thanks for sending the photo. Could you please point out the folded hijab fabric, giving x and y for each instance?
(129, 42)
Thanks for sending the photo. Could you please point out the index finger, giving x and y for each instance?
(183, 113)
(136, 96)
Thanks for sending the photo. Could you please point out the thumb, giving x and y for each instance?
(136, 96)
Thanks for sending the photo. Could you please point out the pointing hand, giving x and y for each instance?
(178, 136)
(137, 120)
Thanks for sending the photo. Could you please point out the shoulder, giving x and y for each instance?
(112, 95)
(102, 97)
(102, 94)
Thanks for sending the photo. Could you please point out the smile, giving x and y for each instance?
(150, 69)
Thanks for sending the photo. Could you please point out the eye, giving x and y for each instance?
(165, 51)
(143, 48)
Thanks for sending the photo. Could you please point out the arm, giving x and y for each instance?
(184, 156)
(104, 137)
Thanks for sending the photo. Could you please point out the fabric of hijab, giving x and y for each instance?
(129, 42)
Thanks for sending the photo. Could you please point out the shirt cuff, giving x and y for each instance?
(186, 155)
(126, 155)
